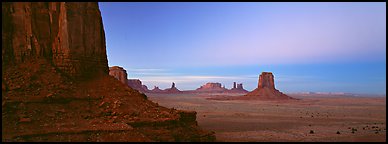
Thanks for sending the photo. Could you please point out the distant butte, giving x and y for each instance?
(237, 88)
(211, 87)
(173, 89)
(266, 89)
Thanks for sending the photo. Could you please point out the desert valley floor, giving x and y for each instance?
(332, 118)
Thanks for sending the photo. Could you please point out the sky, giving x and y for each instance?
(309, 47)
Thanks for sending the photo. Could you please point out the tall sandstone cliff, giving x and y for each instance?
(56, 87)
(69, 35)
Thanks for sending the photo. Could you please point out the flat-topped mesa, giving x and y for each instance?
(266, 89)
(266, 79)
(137, 85)
(119, 73)
(68, 35)
(211, 87)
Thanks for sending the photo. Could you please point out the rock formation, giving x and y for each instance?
(173, 89)
(69, 35)
(240, 86)
(211, 87)
(137, 85)
(237, 88)
(266, 89)
(156, 90)
(266, 80)
(119, 73)
(56, 87)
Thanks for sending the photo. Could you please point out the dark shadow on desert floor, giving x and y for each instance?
(308, 119)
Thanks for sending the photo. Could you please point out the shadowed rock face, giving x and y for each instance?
(70, 35)
(266, 88)
(119, 73)
(137, 85)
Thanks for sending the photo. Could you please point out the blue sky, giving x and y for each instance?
(322, 47)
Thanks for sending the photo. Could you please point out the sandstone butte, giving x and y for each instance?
(266, 89)
(56, 86)
(173, 89)
(238, 88)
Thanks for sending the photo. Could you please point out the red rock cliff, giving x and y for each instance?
(119, 73)
(70, 35)
(266, 80)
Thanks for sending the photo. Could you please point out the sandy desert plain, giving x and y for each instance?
(311, 118)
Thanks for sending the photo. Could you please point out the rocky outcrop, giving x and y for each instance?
(266, 89)
(156, 90)
(266, 80)
(69, 35)
(171, 90)
(137, 85)
(237, 88)
(211, 87)
(216, 88)
(48, 49)
(119, 73)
